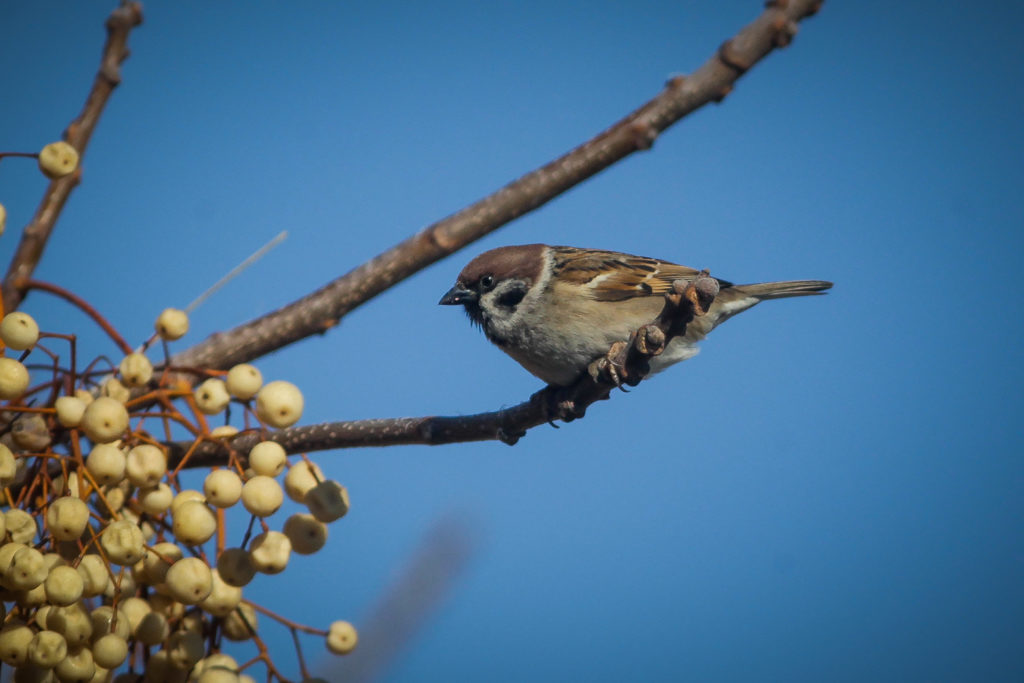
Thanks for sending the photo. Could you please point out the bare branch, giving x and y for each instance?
(33, 240)
(321, 310)
(625, 363)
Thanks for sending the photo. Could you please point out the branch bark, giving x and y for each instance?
(323, 309)
(33, 240)
(626, 363)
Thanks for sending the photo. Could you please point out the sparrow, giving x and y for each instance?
(556, 309)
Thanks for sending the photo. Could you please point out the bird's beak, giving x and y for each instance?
(457, 295)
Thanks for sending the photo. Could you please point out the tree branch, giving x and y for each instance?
(321, 310)
(33, 240)
(626, 363)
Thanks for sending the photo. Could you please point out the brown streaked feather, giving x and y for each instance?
(613, 276)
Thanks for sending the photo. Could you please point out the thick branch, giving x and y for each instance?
(626, 362)
(323, 309)
(33, 240)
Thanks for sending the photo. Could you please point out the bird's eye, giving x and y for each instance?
(487, 282)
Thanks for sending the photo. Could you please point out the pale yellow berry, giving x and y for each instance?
(301, 477)
(66, 518)
(223, 488)
(244, 381)
(262, 496)
(270, 551)
(21, 526)
(157, 500)
(72, 622)
(77, 666)
(158, 560)
(8, 466)
(120, 585)
(267, 458)
(63, 586)
(167, 606)
(172, 324)
(106, 463)
(85, 396)
(223, 432)
(123, 542)
(212, 396)
(13, 378)
(95, 575)
(46, 649)
(241, 624)
(328, 501)
(105, 420)
(31, 433)
(110, 651)
(189, 580)
(14, 640)
(26, 571)
(342, 638)
(184, 496)
(194, 523)
(306, 533)
(153, 629)
(245, 678)
(58, 159)
(146, 465)
(135, 369)
(279, 404)
(223, 598)
(103, 622)
(235, 567)
(19, 331)
(70, 410)
(185, 648)
(3, 219)
(113, 388)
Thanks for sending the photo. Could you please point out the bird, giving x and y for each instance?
(556, 309)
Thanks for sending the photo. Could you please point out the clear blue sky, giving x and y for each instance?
(833, 490)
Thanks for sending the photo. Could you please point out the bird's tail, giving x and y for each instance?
(781, 290)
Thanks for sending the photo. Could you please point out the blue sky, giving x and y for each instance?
(831, 490)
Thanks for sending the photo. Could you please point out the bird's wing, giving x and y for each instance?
(611, 276)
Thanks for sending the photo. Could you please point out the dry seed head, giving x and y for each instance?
(262, 496)
(105, 420)
(212, 396)
(342, 638)
(270, 551)
(19, 331)
(146, 465)
(223, 488)
(13, 378)
(122, 541)
(58, 159)
(70, 410)
(172, 324)
(267, 458)
(66, 518)
(135, 369)
(306, 533)
(189, 580)
(244, 381)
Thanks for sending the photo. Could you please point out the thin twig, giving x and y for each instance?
(322, 310)
(36, 234)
